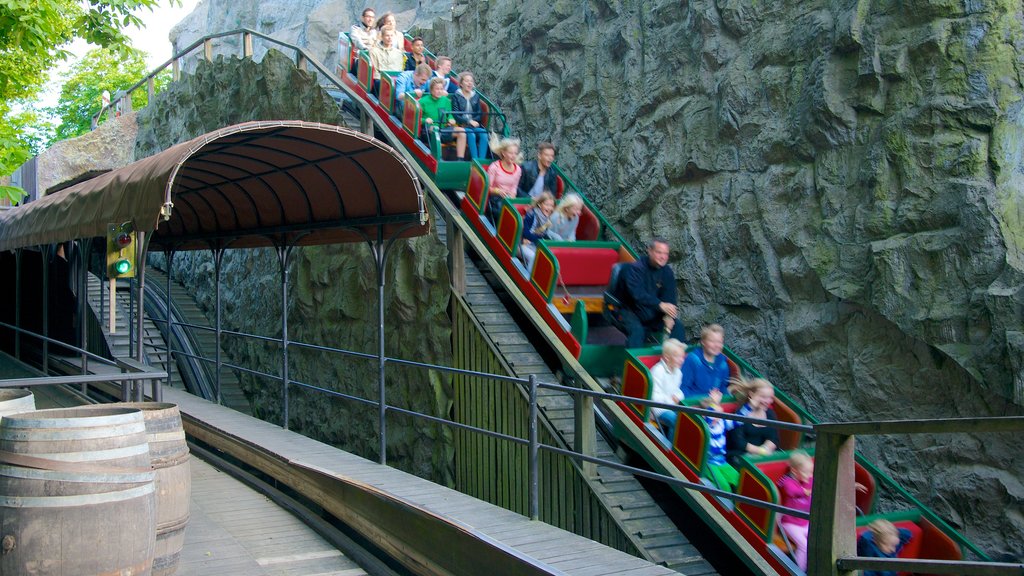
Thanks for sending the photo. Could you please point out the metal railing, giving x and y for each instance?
(130, 372)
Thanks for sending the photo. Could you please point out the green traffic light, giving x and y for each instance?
(122, 266)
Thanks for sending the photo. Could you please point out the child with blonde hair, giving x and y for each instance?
(665, 380)
(882, 540)
(795, 492)
(566, 218)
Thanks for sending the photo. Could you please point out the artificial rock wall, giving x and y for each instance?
(841, 182)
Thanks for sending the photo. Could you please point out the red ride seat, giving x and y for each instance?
(585, 266)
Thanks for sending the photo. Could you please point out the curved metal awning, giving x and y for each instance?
(244, 186)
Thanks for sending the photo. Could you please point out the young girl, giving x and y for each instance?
(535, 226)
(566, 218)
(882, 540)
(758, 396)
(795, 492)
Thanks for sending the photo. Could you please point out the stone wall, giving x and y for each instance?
(333, 295)
(840, 180)
(841, 184)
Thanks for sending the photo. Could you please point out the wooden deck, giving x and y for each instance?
(423, 521)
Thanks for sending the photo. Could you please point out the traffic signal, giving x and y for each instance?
(121, 250)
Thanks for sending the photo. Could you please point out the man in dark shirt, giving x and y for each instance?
(647, 291)
(537, 174)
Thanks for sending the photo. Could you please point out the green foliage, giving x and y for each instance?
(84, 83)
(33, 34)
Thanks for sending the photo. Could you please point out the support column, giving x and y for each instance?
(218, 258)
(140, 287)
(283, 254)
(380, 259)
(833, 508)
(44, 252)
(456, 255)
(169, 257)
(585, 441)
(84, 250)
(17, 303)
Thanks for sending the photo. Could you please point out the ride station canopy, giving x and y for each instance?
(244, 186)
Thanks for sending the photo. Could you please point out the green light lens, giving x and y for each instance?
(122, 266)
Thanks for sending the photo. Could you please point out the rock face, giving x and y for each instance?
(841, 183)
(107, 147)
(333, 289)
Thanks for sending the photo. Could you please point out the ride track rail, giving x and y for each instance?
(704, 502)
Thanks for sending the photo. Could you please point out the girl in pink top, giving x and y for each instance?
(503, 174)
(795, 492)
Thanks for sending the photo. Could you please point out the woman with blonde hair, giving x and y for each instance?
(566, 218)
(757, 395)
(503, 174)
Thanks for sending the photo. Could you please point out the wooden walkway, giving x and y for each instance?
(419, 509)
(236, 531)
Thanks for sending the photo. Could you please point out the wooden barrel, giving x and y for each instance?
(76, 493)
(13, 401)
(170, 459)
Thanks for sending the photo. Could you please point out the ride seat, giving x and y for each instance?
(612, 303)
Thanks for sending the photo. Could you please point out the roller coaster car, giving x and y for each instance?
(692, 437)
(927, 540)
(758, 479)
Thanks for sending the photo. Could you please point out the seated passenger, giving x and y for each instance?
(647, 291)
(757, 396)
(795, 492)
(566, 218)
(535, 226)
(415, 57)
(882, 540)
(414, 82)
(503, 174)
(468, 114)
(436, 107)
(398, 40)
(384, 57)
(537, 174)
(706, 369)
(364, 34)
(665, 384)
(722, 473)
(442, 69)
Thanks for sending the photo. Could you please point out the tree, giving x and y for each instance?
(33, 34)
(83, 85)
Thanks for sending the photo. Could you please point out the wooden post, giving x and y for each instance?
(111, 306)
(456, 256)
(585, 433)
(246, 45)
(833, 508)
(208, 50)
(301, 62)
(150, 89)
(176, 70)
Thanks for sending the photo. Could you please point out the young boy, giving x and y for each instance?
(666, 378)
(722, 473)
(882, 540)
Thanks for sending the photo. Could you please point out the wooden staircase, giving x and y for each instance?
(640, 514)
